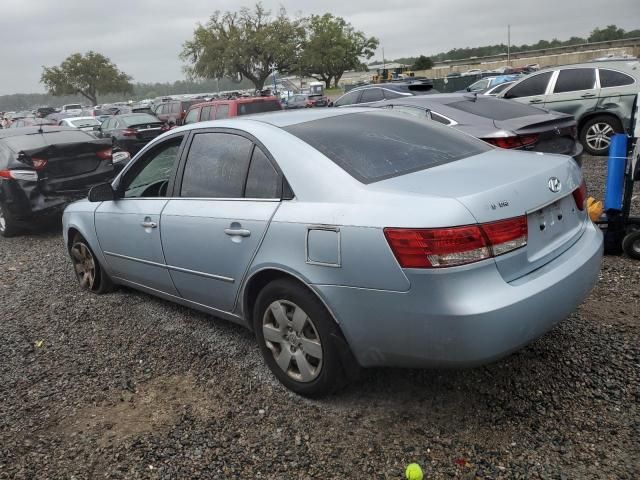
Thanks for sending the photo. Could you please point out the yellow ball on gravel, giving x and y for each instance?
(413, 472)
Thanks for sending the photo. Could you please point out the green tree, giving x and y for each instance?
(88, 75)
(246, 44)
(610, 32)
(422, 63)
(331, 47)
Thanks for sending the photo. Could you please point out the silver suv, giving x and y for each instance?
(599, 95)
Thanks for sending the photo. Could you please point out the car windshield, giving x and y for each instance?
(85, 122)
(494, 108)
(138, 119)
(378, 145)
(74, 106)
(258, 107)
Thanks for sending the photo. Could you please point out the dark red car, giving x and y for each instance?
(218, 109)
(173, 112)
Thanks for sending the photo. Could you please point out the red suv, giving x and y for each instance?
(217, 109)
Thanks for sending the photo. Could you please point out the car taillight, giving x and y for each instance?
(29, 175)
(517, 141)
(104, 154)
(127, 132)
(38, 163)
(580, 195)
(453, 246)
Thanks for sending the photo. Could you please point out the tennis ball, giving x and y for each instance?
(413, 472)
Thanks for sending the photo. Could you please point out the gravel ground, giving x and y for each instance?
(129, 386)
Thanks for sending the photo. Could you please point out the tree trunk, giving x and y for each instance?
(327, 83)
(336, 79)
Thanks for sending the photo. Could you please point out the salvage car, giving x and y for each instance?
(599, 95)
(499, 122)
(44, 168)
(130, 132)
(86, 124)
(384, 91)
(346, 238)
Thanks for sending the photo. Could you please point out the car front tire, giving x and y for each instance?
(90, 274)
(295, 333)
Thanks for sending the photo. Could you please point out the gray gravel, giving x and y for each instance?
(129, 386)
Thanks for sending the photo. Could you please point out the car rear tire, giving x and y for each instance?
(631, 244)
(8, 224)
(296, 334)
(595, 134)
(90, 274)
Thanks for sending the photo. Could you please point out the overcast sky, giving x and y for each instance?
(144, 37)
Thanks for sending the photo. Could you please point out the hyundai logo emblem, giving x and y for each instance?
(554, 184)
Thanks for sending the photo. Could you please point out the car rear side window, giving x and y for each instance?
(494, 108)
(531, 86)
(216, 166)
(258, 107)
(262, 181)
(206, 113)
(377, 145)
(390, 95)
(611, 78)
(222, 111)
(575, 79)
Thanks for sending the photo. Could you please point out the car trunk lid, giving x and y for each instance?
(503, 184)
(556, 132)
(147, 131)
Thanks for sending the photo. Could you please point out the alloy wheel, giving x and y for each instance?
(84, 265)
(599, 136)
(293, 340)
(3, 221)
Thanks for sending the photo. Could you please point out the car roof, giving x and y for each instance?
(237, 100)
(631, 66)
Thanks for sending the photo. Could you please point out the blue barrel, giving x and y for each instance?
(615, 173)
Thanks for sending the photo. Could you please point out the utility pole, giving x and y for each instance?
(384, 63)
(509, 45)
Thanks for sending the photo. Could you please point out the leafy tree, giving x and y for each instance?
(422, 63)
(88, 75)
(331, 47)
(246, 44)
(610, 32)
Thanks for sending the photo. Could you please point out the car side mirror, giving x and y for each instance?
(97, 128)
(468, 89)
(103, 192)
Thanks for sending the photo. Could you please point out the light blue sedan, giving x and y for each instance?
(346, 238)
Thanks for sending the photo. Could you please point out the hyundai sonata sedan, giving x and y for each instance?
(346, 238)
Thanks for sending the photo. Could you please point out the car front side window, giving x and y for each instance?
(530, 86)
(150, 176)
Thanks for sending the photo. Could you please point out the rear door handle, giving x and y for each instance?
(588, 95)
(237, 232)
(147, 224)
(535, 100)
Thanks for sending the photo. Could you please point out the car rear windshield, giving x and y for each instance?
(73, 106)
(374, 146)
(138, 119)
(85, 122)
(37, 140)
(258, 107)
(494, 108)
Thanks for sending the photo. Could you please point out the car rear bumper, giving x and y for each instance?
(463, 316)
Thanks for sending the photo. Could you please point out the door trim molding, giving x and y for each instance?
(171, 267)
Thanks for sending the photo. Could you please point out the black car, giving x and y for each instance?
(44, 111)
(132, 131)
(44, 168)
(384, 91)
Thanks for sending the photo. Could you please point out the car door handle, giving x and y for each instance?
(588, 95)
(237, 232)
(535, 100)
(147, 224)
